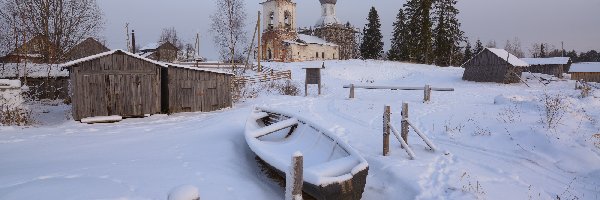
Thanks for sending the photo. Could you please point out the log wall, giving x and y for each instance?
(554, 70)
(586, 76)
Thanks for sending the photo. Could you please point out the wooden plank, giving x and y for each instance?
(398, 88)
(386, 130)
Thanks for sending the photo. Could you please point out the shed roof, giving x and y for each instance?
(162, 64)
(150, 46)
(547, 61)
(512, 59)
(31, 70)
(100, 55)
(585, 67)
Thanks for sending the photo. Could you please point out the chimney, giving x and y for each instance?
(133, 41)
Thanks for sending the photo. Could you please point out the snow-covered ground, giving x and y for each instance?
(492, 143)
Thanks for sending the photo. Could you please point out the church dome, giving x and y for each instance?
(328, 1)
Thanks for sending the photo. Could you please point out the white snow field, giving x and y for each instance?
(491, 143)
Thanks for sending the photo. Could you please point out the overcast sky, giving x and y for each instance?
(576, 22)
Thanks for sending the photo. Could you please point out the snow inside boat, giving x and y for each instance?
(332, 169)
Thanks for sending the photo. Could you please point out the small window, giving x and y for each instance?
(323, 55)
(317, 55)
(271, 20)
(269, 54)
(287, 19)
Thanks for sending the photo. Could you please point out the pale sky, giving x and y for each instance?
(576, 22)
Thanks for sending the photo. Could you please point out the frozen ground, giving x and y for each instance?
(492, 144)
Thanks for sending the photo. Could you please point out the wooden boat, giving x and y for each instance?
(332, 169)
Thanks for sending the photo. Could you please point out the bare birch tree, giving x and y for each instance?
(227, 27)
(64, 23)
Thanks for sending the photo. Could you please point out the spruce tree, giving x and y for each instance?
(478, 47)
(372, 44)
(400, 48)
(468, 53)
(542, 51)
(447, 33)
(419, 24)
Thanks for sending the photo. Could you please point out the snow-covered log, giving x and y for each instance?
(184, 192)
(410, 152)
(102, 119)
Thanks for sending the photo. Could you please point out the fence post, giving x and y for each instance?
(386, 130)
(427, 96)
(294, 181)
(351, 91)
(405, 124)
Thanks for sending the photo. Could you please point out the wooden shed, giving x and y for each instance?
(494, 65)
(587, 71)
(165, 52)
(552, 66)
(125, 84)
(190, 89)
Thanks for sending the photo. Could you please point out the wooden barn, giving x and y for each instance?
(87, 47)
(494, 65)
(587, 71)
(121, 83)
(552, 66)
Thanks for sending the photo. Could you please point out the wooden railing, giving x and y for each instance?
(263, 77)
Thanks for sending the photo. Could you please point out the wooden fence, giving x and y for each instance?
(427, 89)
(402, 135)
(262, 77)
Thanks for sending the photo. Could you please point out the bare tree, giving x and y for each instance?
(189, 51)
(514, 47)
(63, 23)
(170, 35)
(227, 26)
(535, 50)
(491, 44)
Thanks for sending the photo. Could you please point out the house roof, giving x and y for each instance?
(585, 67)
(150, 46)
(547, 61)
(32, 70)
(512, 59)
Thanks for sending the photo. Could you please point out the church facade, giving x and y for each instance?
(281, 42)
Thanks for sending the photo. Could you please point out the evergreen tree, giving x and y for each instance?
(400, 49)
(542, 51)
(447, 33)
(478, 47)
(419, 24)
(372, 44)
(468, 53)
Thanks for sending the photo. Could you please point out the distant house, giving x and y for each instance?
(587, 71)
(87, 47)
(494, 65)
(37, 50)
(164, 52)
(307, 47)
(552, 66)
(125, 84)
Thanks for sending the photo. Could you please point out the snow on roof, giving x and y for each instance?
(308, 39)
(150, 46)
(512, 59)
(145, 54)
(71, 63)
(197, 69)
(585, 67)
(547, 61)
(31, 70)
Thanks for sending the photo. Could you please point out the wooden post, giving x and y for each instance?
(305, 89)
(319, 87)
(294, 181)
(259, 44)
(387, 113)
(351, 91)
(405, 122)
(427, 96)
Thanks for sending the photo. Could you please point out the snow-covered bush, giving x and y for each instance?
(184, 192)
(553, 109)
(12, 110)
(253, 90)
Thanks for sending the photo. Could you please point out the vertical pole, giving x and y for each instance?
(259, 44)
(351, 91)
(294, 181)
(386, 130)
(319, 88)
(427, 96)
(405, 124)
(305, 89)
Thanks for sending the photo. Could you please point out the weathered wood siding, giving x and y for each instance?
(193, 90)
(586, 76)
(488, 67)
(554, 70)
(116, 84)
